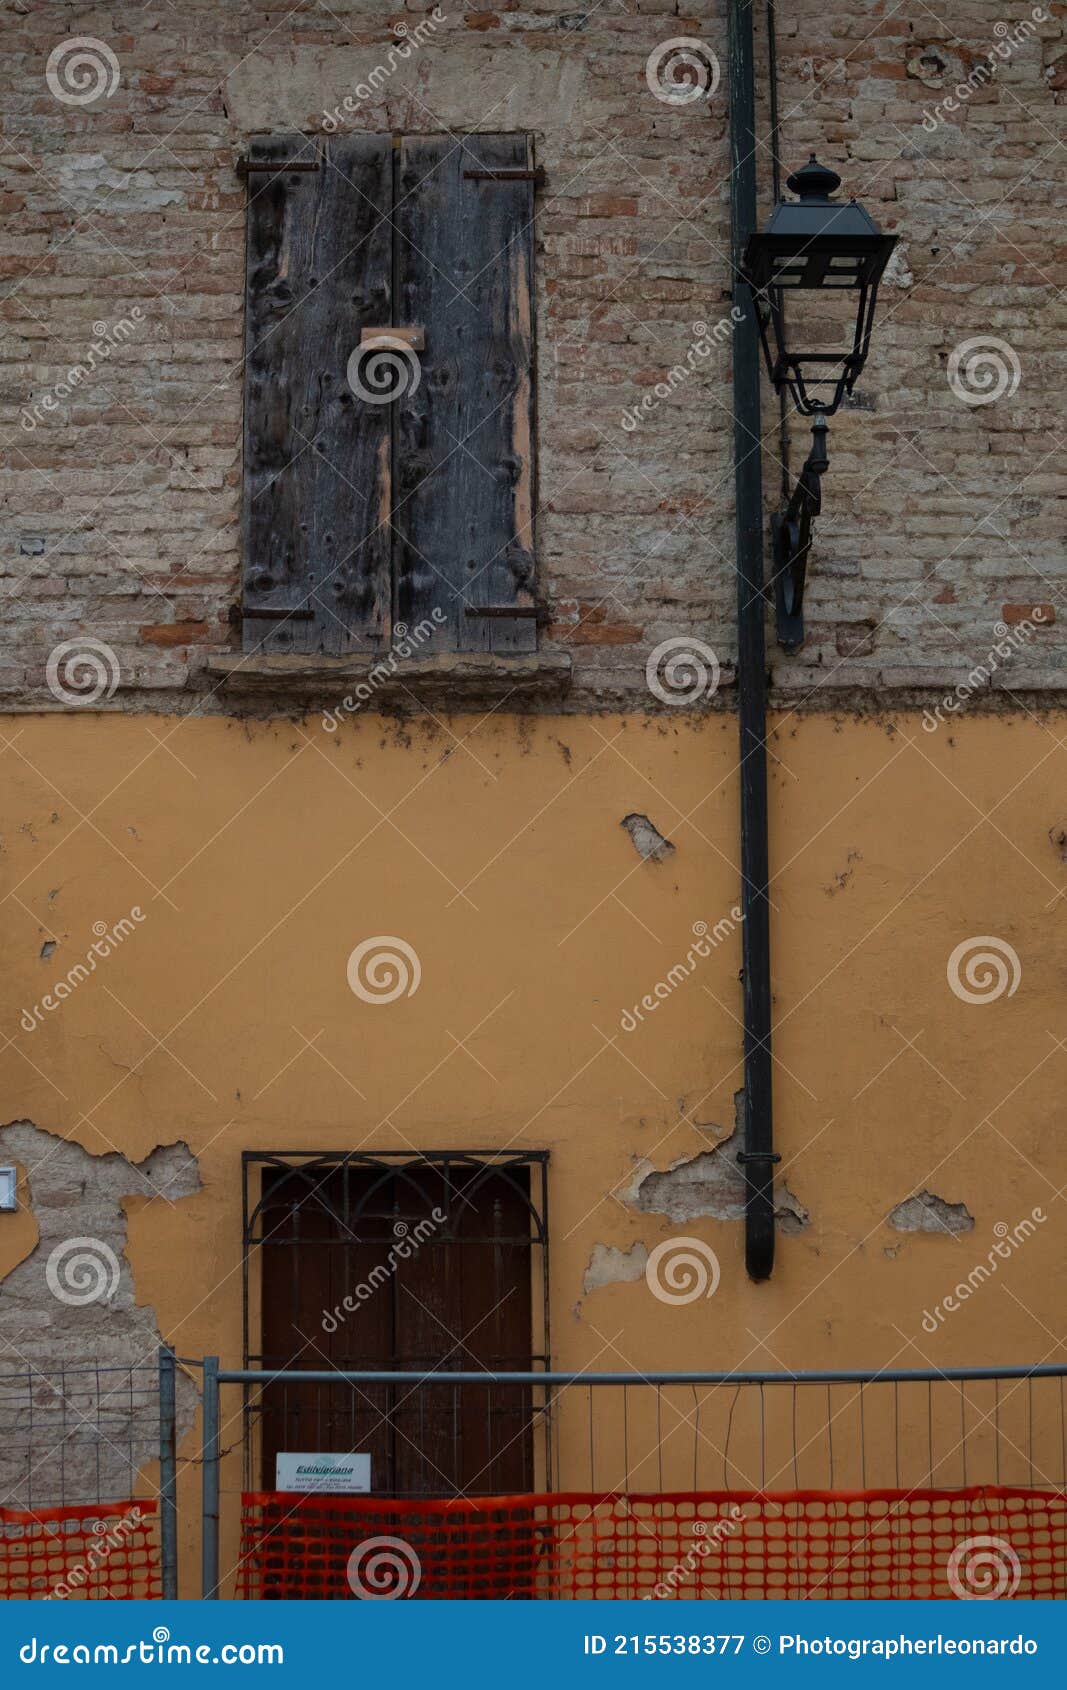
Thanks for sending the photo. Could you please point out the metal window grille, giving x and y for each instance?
(320, 1227)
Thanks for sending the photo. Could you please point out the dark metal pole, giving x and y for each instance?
(757, 1157)
(776, 182)
(168, 1474)
(209, 1543)
(823, 1376)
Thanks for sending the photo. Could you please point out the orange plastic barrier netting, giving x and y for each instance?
(724, 1544)
(103, 1551)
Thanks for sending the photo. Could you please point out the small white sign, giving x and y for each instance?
(338, 1475)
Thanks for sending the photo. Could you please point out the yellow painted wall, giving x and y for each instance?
(261, 854)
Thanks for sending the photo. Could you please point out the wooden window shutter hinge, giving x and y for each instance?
(535, 175)
(530, 612)
(278, 167)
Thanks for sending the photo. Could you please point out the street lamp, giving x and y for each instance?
(811, 244)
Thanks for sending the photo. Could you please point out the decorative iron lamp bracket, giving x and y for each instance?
(791, 539)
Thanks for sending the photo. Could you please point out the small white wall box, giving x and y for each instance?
(9, 1188)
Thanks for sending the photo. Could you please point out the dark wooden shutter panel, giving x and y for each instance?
(317, 459)
(464, 466)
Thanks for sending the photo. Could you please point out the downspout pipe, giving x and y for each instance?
(758, 1157)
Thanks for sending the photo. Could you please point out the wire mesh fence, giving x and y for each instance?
(784, 1433)
(85, 1512)
(852, 1484)
(76, 1434)
(448, 1434)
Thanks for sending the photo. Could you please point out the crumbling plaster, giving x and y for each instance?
(75, 1341)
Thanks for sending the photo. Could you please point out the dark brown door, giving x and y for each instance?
(415, 1268)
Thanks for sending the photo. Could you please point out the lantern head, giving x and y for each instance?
(815, 242)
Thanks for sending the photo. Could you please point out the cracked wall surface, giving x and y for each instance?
(611, 1266)
(648, 841)
(926, 1212)
(228, 1023)
(709, 1183)
(78, 1351)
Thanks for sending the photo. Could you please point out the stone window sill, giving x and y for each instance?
(449, 680)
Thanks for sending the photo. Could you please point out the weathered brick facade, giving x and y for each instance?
(125, 226)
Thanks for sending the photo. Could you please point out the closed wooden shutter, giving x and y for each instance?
(362, 514)
(465, 463)
(317, 462)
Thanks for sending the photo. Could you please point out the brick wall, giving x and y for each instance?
(125, 228)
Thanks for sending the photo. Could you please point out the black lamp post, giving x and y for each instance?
(811, 244)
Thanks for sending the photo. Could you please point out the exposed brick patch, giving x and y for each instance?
(590, 625)
(606, 205)
(927, 1212)
(79, 1203)
(710, 1183)
(855, 639)
(133, 481)
(1013, 613)
(175, 633)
